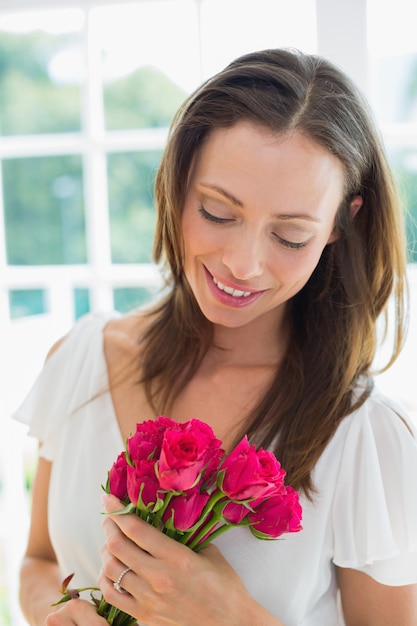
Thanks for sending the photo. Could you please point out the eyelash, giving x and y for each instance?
(212, 218)
(221, 220)
(291, 244)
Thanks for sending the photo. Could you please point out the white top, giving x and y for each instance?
(364, 516)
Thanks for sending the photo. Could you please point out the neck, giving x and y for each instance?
(262, 342)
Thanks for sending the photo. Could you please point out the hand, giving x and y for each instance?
(76, 612)
(168, 583)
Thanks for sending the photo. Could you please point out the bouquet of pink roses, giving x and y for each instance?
(177, 477)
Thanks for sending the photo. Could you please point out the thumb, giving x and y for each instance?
(111, 503)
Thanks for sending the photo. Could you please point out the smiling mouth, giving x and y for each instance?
(236, 293)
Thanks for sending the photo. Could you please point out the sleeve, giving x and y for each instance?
(375, 503)
(61, 386)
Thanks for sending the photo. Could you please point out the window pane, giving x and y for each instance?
(81, 301)
(40, 72)
(44, 212)
(150, 60)
(241, 26)
(128, 298)
(132, 215)
(405, 166)
(393, 56)
(24, 302)
(393, 92)
(144, 99)
(394, 88)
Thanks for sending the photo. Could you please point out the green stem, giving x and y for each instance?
(215, 497)
(164, 507)
(66, 596)
(219, 531)
(113, 613)
(204, 530)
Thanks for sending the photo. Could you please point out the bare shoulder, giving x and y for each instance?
(121, 332)
(55, 347)
(122, 336)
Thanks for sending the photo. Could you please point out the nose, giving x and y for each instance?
(244, 254)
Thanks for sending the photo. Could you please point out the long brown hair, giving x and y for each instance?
(333, 317)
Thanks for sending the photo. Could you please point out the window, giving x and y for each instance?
(86, 98)
(393, 92)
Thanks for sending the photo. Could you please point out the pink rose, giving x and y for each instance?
(185, 510)
(210, 525)
(215, 456)
(142, 484)
(250, 474)
(271, 467)
(187, 451)
(147, 440)
(235, 513)
(277, 515)
(117, 483)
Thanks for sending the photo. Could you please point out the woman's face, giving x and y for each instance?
(259, 210)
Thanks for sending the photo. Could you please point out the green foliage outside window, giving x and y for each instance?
(24, 302)
(44, 211)
(407, 177)
(128, 298)
(43, 196)
(132, 216)
(30, 101)
(144, 99)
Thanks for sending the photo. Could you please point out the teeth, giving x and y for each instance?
(236, 293)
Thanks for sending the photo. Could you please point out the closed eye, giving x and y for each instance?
(293, 245)
(290, 244)
(212, 218)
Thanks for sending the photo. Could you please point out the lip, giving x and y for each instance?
(227, 299)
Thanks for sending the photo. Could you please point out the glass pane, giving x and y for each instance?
(144, 99)
(81, 301)
(393, 59)
(41, 70)
(24, 302)
(128, 298)
(132, 215)
(150, 60)
(44, 211)
(405, 166)
(241, 26)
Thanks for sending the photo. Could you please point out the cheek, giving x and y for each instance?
(297, 265)
(188, 235)
(199, 238)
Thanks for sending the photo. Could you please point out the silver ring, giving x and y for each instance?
(116, 585)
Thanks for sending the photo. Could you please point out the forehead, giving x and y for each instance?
(261, 139)
(251, 160)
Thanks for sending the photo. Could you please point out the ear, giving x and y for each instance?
(355, 204)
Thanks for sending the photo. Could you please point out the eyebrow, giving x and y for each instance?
(224, 193)
(235, 201)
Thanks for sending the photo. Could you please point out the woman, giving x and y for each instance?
(282, 240)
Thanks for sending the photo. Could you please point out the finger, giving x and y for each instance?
(111, 503)
(75, 612)
(128, 601)
(145, 536)
(119, 551)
